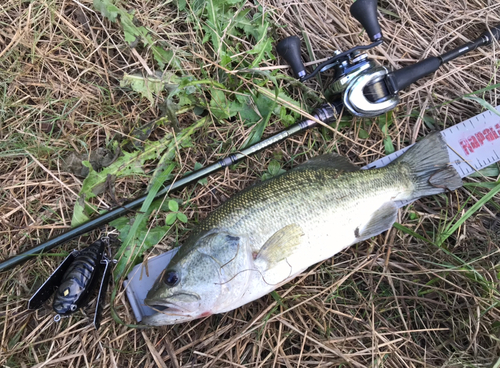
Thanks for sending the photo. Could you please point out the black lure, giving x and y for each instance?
(75, 278)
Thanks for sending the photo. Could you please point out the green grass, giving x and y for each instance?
(71, 87)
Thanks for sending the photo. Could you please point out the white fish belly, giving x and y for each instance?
(325, 235)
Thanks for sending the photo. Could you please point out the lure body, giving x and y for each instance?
(74, 280)
(79, 280)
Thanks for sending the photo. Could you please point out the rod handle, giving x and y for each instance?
(289, 49)
(402, 78)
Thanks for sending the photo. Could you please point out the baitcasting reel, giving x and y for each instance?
(365, 88)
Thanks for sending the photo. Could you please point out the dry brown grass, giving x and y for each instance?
(393, 301)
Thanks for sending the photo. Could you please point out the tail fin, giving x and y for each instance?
(430, 165)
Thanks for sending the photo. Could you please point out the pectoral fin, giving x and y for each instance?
(279, 246)
(381, 220)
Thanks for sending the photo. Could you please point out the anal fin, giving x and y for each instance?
(381, 220)
(279, 246)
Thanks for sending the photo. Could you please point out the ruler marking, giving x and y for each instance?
(467, 156)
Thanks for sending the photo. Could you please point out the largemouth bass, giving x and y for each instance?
(267, 234)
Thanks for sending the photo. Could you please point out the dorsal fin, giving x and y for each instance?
(329, 160)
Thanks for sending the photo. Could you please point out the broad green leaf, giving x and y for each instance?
(182, 217)
(274, 167)
(170, 219)
(107, 9)
(246, 111)
(221, 107)
(147, 86)
(266, 107)
(429, 121)
(213, 8)
(363, 134)
(79, 214)
(173, 206)
(488, 185)
(127, 165)
(388, 145)
(166, 57)
(181, 4)
(256, 133)
(266, 176)
(490, 171)
(286, 118)
(281, 96)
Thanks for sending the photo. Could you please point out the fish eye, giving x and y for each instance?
(171, 278)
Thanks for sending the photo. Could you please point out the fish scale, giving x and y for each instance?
(267, 234)
(472, 145)
(309, 198)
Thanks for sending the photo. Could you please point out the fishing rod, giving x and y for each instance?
(325, 114)
(361, 87)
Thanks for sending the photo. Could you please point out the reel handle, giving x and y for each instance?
(365, 12)
(289, 49)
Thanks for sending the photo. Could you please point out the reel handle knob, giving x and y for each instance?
(365, 12)
(289, 49)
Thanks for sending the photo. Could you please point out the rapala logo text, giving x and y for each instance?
(477, 140)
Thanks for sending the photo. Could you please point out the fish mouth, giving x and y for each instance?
(181, 307)
(166, 307)
(159, 308)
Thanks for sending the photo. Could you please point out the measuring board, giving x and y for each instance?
(472, 144)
